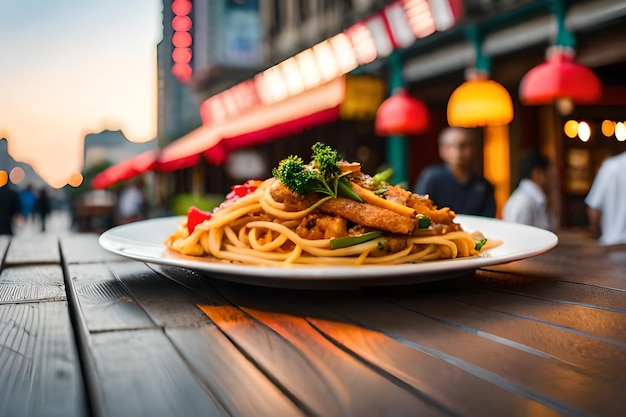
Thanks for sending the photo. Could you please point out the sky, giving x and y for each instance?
(73, 67)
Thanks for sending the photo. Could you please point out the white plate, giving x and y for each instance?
(143, 241)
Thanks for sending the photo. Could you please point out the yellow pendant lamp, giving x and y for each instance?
(479, 101)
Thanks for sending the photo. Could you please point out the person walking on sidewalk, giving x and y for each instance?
(43, 207)
(9, 209)
(28, 198)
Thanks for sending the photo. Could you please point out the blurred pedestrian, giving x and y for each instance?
(27, 202)
(606, 201)
(42, 206)
(130, 206)
(455, 183)
(9, 209)
(528, 204)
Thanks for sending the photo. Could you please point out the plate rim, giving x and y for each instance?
(115, 240)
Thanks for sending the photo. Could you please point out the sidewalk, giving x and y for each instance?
(58, 224)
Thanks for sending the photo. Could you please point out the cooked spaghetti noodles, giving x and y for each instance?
(272, 225)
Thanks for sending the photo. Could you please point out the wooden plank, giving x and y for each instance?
(270, 352)
(586, 264)
(546, 289)
(104, 302)
(40, 249)
(84, 248)
(520, 369)
(39, 369)
(399, 357)
(166, 303)
(592, 321)
(362, 390)
(239, 386)
(308, 370)
(595, 357)
(32, 283)
(524, 369)
(141, 374)
(438, 377)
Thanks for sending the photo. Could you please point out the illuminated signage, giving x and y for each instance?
(181, 40)
(397, 25)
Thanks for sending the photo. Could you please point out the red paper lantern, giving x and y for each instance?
(560, 77)
(401, 114)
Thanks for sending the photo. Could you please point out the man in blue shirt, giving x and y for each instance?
(455, 184)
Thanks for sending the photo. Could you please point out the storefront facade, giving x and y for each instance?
(511, 36)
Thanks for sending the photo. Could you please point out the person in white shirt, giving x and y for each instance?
(606, 201)
(528, 204)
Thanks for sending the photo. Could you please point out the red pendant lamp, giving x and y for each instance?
(401, 114)
(479, 101)
(560, 78)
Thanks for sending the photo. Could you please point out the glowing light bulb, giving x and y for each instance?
(76, 179)
(571, 128)
(584, 131)
(608, 128)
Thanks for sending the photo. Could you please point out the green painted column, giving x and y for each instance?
(397, 146)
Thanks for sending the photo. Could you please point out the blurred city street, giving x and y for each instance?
(58, 224)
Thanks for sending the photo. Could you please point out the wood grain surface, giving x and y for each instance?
(39, 367)
(89, 333)
(33, 249)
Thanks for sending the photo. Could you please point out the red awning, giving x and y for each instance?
(138, 164)
(185, 151)
(259, 125)
(181, 162)
(217, 154)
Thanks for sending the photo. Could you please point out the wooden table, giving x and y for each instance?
(87, 333)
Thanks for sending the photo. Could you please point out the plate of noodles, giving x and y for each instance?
(325, 222)
(144, 241)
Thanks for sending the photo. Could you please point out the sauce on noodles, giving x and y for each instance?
(268, 223)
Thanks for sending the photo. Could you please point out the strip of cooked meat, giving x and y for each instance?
(369, 215)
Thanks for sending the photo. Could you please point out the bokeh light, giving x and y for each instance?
(608, 128)
(76, 179)
(4, 178)
(17, 175)
(584, 131)
(571, 128)
(620, 131)
(564, 105)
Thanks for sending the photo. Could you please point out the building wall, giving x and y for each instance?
(221, 60)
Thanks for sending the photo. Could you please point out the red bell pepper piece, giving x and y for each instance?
(195, 216)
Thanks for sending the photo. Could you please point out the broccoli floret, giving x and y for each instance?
(322, 175)
(325, 159)
(292, 172)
